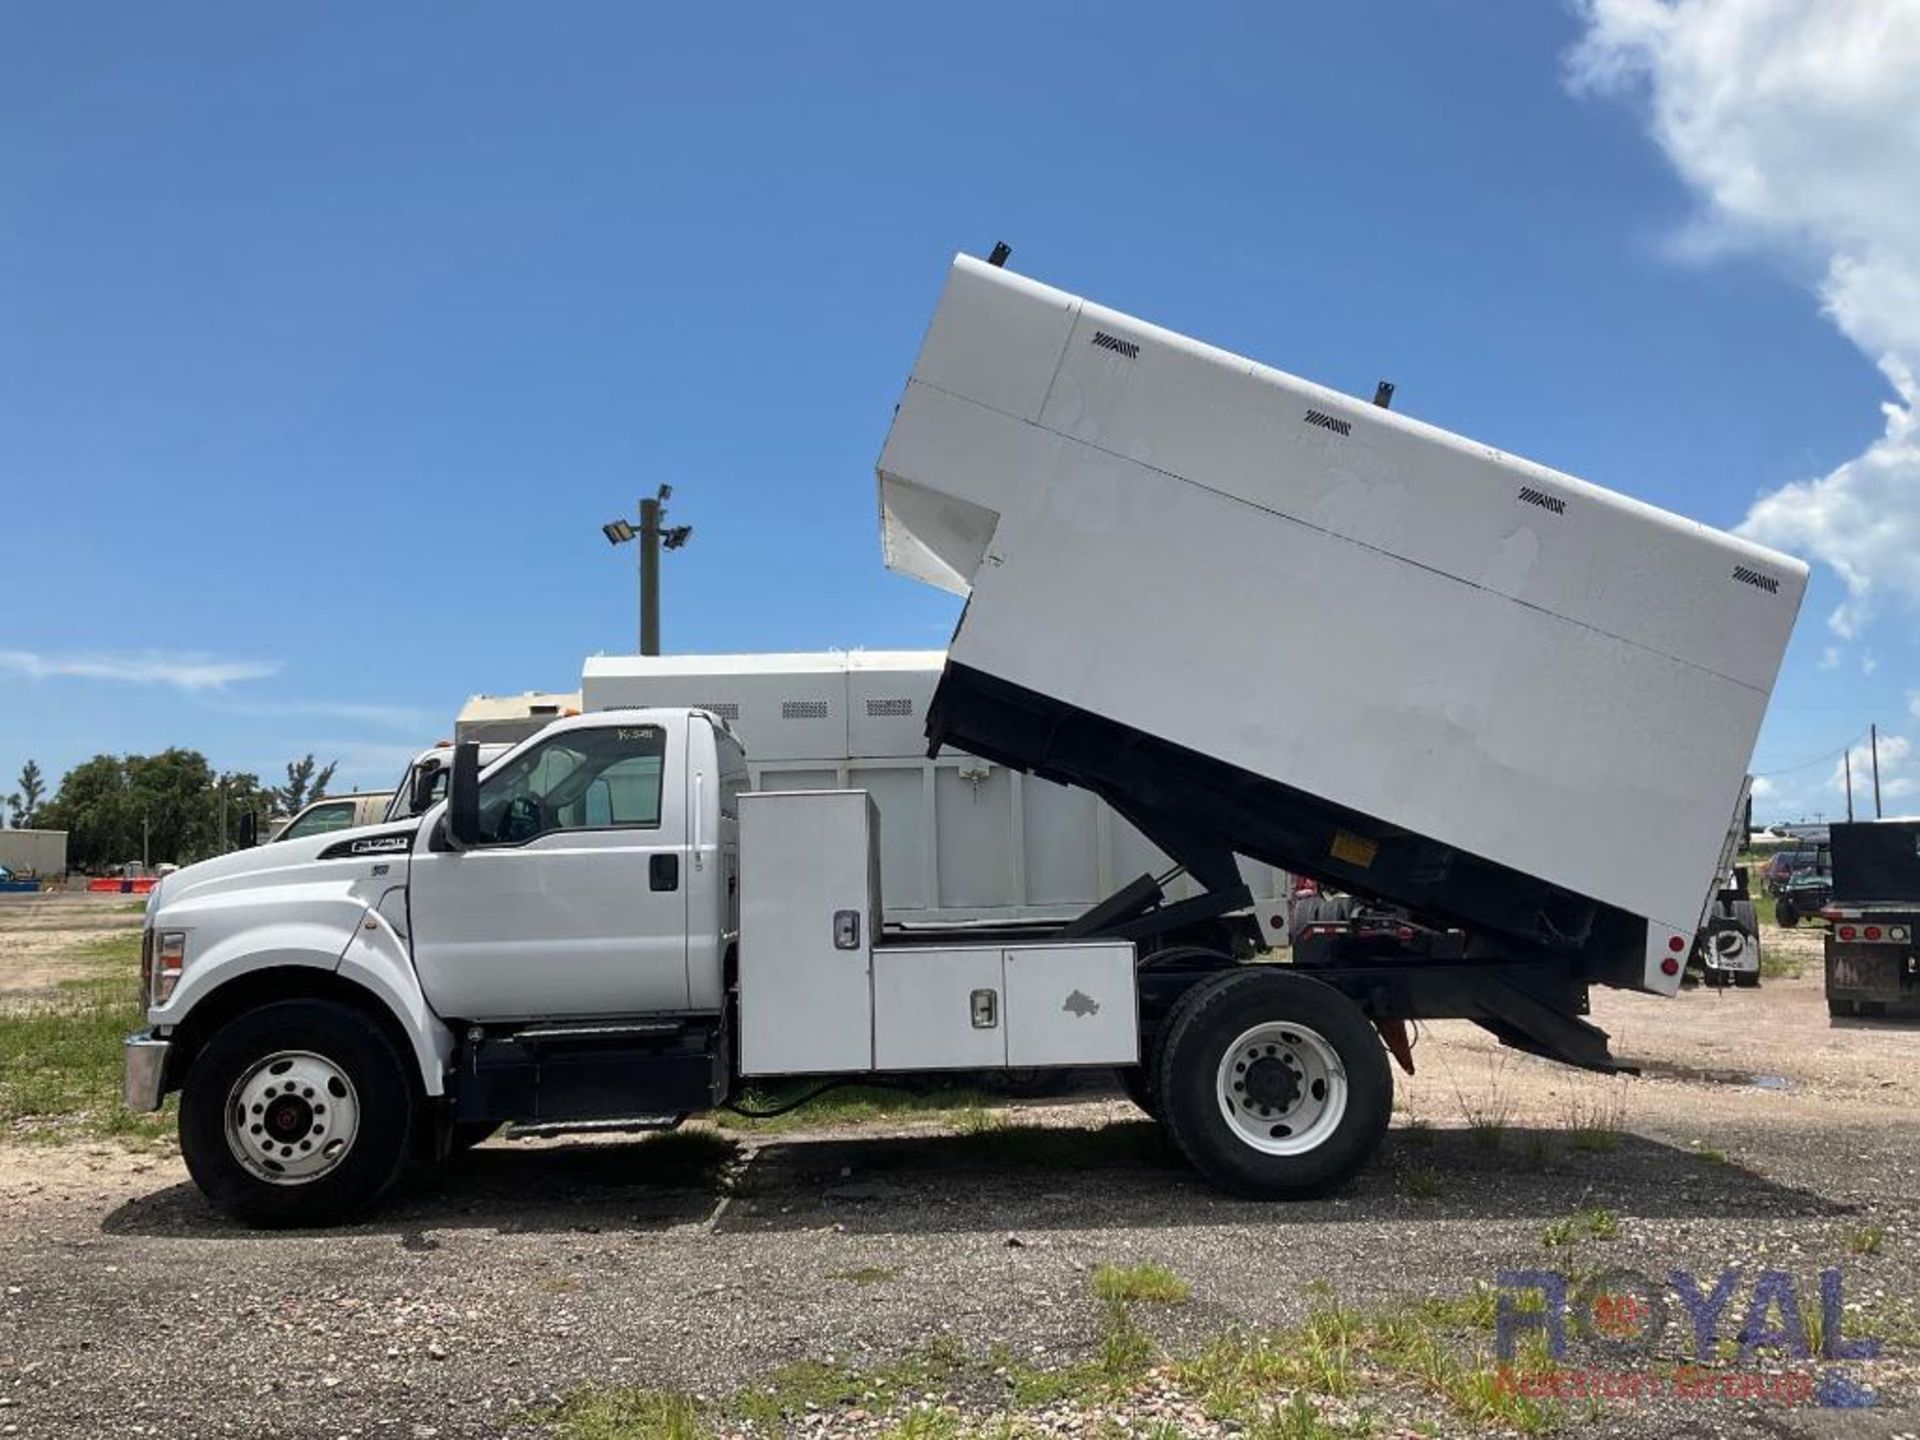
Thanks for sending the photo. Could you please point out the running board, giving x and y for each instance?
(599, 1031)
(542, 1130)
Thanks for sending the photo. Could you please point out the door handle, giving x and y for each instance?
(663, 872)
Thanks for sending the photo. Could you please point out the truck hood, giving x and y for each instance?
(337, 856)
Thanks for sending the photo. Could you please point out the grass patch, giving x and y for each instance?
(1587, 1225)
(1866, 1240)
(1237, 1379)
(1420, 1183)
(865, 1275)
(1713, 1156)
(61, 1058)
(852, 1105)
(1594, 1127)
(1776, 965)
(626, 1413)
(1154, 1284)
(976, 1120)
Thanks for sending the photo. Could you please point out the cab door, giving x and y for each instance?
(574, 904)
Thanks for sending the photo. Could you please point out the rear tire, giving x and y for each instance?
(271, 1096)
(1747, 979)
(1273, 1084)
(1785, 913)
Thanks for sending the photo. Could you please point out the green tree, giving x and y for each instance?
(238, 793)
(93, 807)
(304, 784)
(33, 785)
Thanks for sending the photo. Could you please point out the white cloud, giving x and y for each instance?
(1763, 788)
(1830, 658)
(1869, 662)
(1798, 122)
(1896, 777)
(1913, 703)
(184, 670)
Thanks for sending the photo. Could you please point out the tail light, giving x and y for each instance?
(1872, 932)
(1845, 932)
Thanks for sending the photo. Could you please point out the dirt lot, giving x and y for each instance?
(936, 1272)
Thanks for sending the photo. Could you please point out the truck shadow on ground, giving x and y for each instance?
(1020, 1177)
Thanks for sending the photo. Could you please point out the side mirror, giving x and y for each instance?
(463, 794)
(249, 830)
(420, 792)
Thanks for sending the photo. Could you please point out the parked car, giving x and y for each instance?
(1805, 894)
(336, 812)
(1784, 864)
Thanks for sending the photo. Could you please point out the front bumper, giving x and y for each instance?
(144, 1083)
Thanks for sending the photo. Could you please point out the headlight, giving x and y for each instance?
(169, 959)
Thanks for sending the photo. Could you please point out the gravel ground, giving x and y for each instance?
(1760, 1136)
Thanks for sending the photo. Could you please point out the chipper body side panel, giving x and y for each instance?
(1438, 639)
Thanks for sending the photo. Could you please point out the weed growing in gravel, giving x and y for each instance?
(602, 1413)
(1420, 1183)
(1713, 1156)
(1154, 1284)
(1417, 1131)
(1595, 1124)
(1487, 1113)
(1867, 1240)
(1268, 1385)
(1299, 1419)
(865, 1275)
(976, 1120)
(1588, 1224)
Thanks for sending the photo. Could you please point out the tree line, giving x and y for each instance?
(172, 806)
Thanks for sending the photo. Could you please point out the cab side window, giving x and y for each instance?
(609, 777)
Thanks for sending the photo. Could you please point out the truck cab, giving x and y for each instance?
(557, 944)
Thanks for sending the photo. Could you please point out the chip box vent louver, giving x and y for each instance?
(725, 709)
(1756, 579)
(1104, 341)
(877, 708)
(803, 709)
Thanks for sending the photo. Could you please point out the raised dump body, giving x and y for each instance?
(1262, 617)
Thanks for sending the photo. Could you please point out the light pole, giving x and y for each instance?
(653, 537)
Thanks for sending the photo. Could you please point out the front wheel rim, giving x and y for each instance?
(292, 1118)
(1282, 1088)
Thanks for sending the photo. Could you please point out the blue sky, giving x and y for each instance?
(329, 337)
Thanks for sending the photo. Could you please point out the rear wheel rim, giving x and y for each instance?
(1282, 1088)
(292, 1118)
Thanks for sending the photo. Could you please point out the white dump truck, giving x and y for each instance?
(1517, 714)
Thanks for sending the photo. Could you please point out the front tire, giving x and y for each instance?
(297, 1113)
(1273, 1084)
